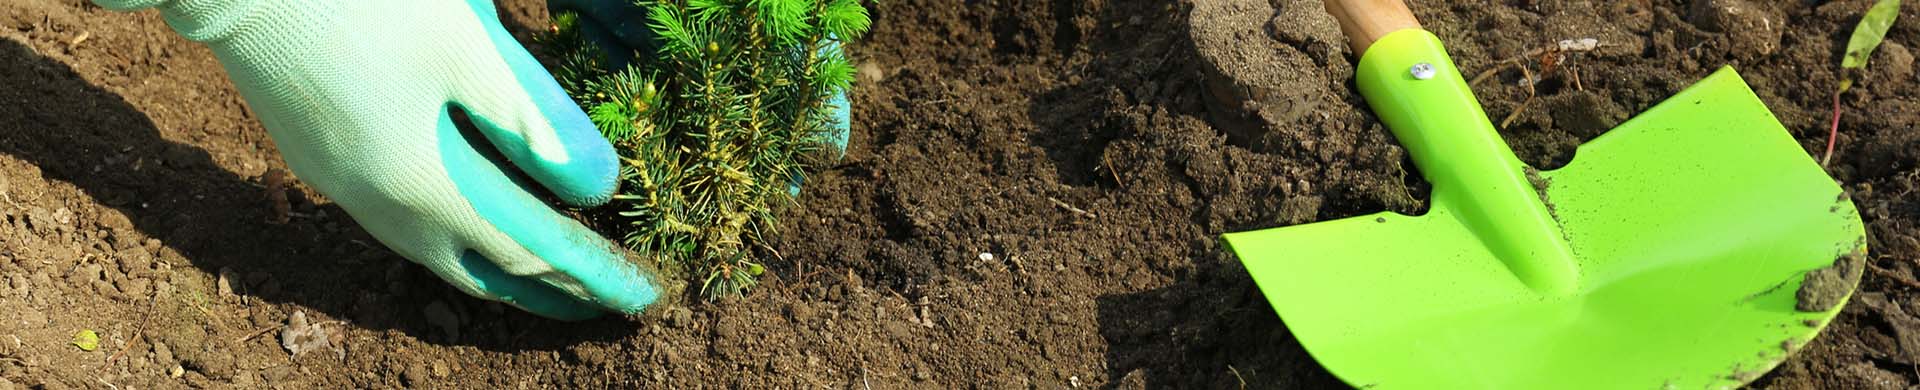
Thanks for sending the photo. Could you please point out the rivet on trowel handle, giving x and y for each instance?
(1423, 71)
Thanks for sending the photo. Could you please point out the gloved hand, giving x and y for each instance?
(619, 28)
(357, 94)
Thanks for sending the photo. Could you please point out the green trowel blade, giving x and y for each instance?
(1689, 231)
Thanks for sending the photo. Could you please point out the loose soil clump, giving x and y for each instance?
(1824, 288)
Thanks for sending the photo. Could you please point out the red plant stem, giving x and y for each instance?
(1834, 131)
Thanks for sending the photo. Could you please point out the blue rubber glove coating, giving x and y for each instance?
(357, 96)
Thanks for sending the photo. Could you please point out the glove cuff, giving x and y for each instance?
(197, 20)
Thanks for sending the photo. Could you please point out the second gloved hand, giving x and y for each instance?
(357, 96)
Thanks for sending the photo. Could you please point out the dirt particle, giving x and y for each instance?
(63, 216)
(282, 210)
(1540, 184)
(679, 317)
(39, 221)
(121, 237)
(134, 287)
(925, 312)
(133, 259)
(88, 274)
(106, 289)
(162, 353)
(1750, 27)
(1824, 288)
(224, 283)
(416, 376)
(1300, 209)
(18, 284)
(301, 336)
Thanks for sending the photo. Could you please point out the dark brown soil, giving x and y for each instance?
(1032, 200)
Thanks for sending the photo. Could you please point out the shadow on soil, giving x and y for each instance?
(1208, 331)
(1210, 328)
(85, 135)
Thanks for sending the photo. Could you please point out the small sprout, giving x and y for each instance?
(1866, 37)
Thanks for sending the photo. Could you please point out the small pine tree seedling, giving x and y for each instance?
(716, 125)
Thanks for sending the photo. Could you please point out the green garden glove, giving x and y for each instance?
(357, 93)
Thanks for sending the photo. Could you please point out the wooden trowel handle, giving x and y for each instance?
(1365, 21)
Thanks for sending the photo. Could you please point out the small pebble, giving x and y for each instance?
(415, 376)
(106, 289)
(63, 216)
(163, 354)
(224, 283)
(91, 272)
(679, 317)
(18, 284)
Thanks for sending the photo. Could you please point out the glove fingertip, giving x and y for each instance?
(527, 294)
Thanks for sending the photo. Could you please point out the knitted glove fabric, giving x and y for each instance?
(358, 95)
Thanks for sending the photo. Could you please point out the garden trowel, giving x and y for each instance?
(1694, 246)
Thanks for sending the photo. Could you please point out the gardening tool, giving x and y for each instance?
(1694, 246)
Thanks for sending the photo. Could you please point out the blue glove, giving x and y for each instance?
(619, 28)
(356, 95)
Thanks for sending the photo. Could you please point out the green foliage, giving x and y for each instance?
(715, 127)
(1867, 36)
